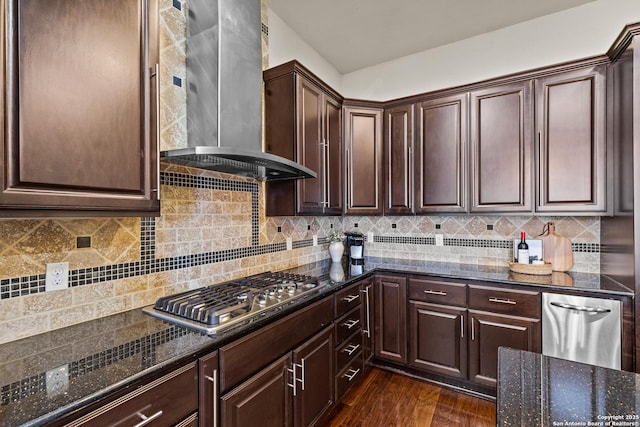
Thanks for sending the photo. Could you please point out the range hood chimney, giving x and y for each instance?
(224, 92)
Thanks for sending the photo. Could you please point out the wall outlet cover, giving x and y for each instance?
(57, 276)
(289, 243)
(315, 240)
(439, 240)
(57, 380)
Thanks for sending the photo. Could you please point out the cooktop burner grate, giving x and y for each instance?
(215, 306)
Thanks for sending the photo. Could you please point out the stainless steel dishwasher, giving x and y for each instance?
(582, 329)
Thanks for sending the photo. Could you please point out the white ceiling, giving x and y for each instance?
(354, 34)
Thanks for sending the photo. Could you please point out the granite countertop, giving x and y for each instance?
(105, 355)
(537, 390)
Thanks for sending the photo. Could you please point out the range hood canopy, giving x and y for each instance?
(224, 93)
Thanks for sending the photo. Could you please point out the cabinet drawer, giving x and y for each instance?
(348, 351)
(347, 299)
(246, 356)
(438, 292)
(505, 301)
(347, 325)
(168, 400)
(349, 376)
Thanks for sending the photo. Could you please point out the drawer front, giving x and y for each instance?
(168, 400)
(438, 292)
(505, 301)
(348, 351)
(347, 299)
(347, 325)
(349, 376)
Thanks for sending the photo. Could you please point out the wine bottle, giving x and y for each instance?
(523, 249)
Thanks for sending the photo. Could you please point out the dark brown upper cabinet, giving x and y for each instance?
(441, 155)
(79, 108)
(363, 141)
(398, 160)
(501, 148)
(571, 152)
(303, 122)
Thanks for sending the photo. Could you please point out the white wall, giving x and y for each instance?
(576, 33)
(285, 45)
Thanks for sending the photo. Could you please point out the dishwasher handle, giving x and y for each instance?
(580, 307)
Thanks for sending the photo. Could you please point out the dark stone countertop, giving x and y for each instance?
(537, 390)
(106, 355)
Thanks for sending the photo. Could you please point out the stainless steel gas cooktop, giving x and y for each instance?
(216, 307)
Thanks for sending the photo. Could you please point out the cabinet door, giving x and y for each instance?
(367, 318)
(310, 102)
(398, 162)
(262, 400)
(391, 318)
(315, 391)
(570, 125)
(438, 341)
(363, 139)
(208, 393)
(441, 159)
(333, 169)
(490, 331)
(501, 148)
(80, 119)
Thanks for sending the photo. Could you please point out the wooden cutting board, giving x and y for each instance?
(556, 249)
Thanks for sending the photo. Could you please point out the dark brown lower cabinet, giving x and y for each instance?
(488, 332)
(296, 390)
(314, 392)
(438, 339)
(265, 399)
(208, 392)
(367, 317)
(390, 299)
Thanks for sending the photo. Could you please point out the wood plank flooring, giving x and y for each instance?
(387, 399)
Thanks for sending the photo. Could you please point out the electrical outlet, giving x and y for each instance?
(439, 240)
(57, 380)
(289, 243)
(57, 276)
(370, 237)
(315, 240)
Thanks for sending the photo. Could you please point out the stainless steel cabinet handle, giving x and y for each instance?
(368, 312)
(303, 373)
(146, 420)
(462, 326)
(157, 75)
(351, 323)
(430, 292)
(214, 380)
(350, 298)
(325, 165)
(351, 348)
(351, 374)
(473, 334)
(293, 384)
(582, 308)
(502, 301)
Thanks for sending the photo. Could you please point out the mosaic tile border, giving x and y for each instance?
(475, 243)
(146, 346)
(33, 284)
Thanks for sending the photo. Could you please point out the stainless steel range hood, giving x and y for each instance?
(224, 92)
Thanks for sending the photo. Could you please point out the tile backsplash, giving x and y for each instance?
(212, 228)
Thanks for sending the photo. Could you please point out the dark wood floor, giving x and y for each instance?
(388, 399)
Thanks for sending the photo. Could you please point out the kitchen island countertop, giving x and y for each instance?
(542, 391)
(108, 354)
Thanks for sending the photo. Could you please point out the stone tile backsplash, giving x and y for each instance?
(212, 228)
